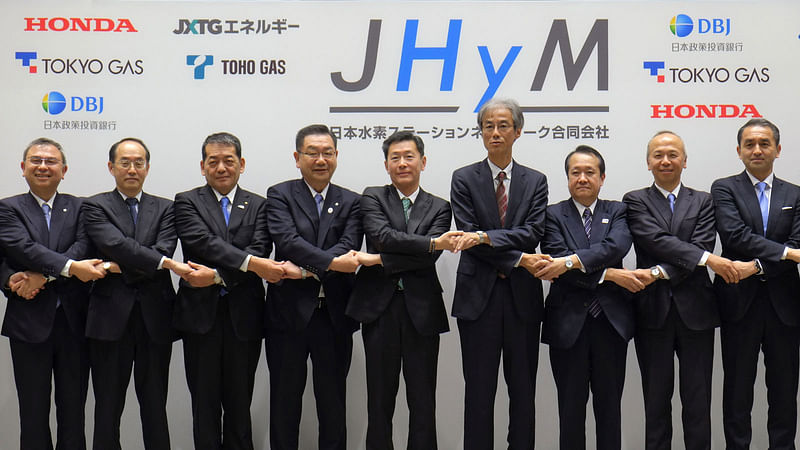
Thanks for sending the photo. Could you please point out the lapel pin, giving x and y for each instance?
(330, 210)
(240, 206)
(336, 204)
(784, 208)
(604, 220)
(65, 209)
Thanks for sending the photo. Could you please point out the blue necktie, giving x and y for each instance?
(671, 198)
(318, 198)
(406, 207)
(763, 203)
(225, 202)
(132, 202)
(587, 222)
(46, 209)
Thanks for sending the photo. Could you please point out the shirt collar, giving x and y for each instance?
(496, 170)
(412, 197)
(231, 195)
(324, 192)
(666, 193)
(125, 197)
(753, 180)
(581, 208)
(41, 201)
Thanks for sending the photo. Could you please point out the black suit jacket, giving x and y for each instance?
(137, 250)
(572, 293)
(205, 239)
(404, 249)
(475, 209)
(29, 245)
(311, 241)
(740, 229)
(675, 241)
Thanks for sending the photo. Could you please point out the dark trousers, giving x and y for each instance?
(63, 357)
(392, 342)
(655, 349)
(287, 357)
(112, 363)
(499, 330)
(759, 329)
(220, 373)
(596, 361)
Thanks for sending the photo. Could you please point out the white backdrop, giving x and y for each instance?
(147, 77)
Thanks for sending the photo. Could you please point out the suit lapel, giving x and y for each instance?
(145, 216)
(330, 209)
(213, 209)
(519, 185)
(776, 202)
(239, 207)
(307, 204)
(35, 215)
(57, 216)
(122, 212)
(486, 192)
(661, 204)
(394, 208)
(418, 211)
(574, 223)
(599, 222)
(747, 193)
(682, 203)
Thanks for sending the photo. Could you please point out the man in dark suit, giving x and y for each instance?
(758, 221)
(130, 311)
(317, 226)
(588, 315)
(673, 235)
(398, 298)
(500, 205)
(44, 275)
(220, 305)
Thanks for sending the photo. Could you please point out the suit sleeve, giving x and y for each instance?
(18, 244)
(504, 254)
(598, 257)
(679, 258)
(734, 232)
(283, 230)
(123, 250)
(401, 251)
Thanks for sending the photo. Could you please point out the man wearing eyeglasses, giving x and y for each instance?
(317, 226)
(220, 306)
(44, 278)
(500, 205)
(129, 324)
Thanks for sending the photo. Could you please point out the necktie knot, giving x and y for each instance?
(761, 186)
(319, 200)
(671, 198)
(46, 210)
(224, 202)
(132, 206)
(406, 207)
(501, 176)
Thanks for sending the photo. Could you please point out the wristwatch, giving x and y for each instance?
(759, 267)
(656, 273)
(106, 265)
(481, 237)
(568, 263)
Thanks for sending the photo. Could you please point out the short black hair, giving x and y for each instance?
(759, 122)
(45, 141)
(312, 130)
(400, 136)
(112, 153)
(225, 139)
(585, 149)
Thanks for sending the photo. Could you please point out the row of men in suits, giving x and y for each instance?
(126, 238)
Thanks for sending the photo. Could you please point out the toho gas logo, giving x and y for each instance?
(682, 25)
(199, 62)
(55, 103)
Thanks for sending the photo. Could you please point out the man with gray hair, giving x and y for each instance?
(500, 205)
